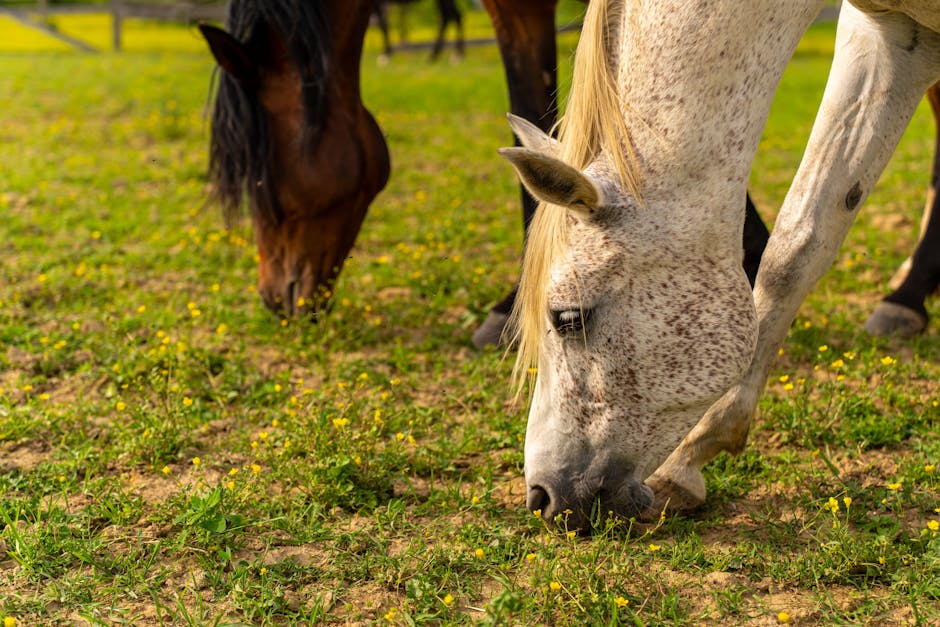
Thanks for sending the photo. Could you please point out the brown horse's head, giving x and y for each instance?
(290, 133)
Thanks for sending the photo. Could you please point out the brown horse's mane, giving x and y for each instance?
(240, 151)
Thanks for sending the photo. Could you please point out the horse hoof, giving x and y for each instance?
(670, 496)
(490, 332)
(896, 320)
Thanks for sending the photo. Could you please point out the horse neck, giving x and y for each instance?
(348, 23)
(281, 93)
(696, 79)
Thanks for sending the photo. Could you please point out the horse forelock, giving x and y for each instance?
(593, 124)
(240, 148)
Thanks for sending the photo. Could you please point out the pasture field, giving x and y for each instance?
(171, 453)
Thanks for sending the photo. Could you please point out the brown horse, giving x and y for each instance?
(291, 134)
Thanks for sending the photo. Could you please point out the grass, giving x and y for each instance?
(170, 453)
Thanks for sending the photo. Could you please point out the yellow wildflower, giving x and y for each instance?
(894, 487)
(255, 468)
(9, 621)
(654, 547)
(555, 586)
(933, 525)
(196, 461)
(478, 553)
(448, 599)
(823, 348)
(783, 617)
(165, 470)
(530, 557)
(621, 602)
(187, 402)
(888, 361)
(832, 505)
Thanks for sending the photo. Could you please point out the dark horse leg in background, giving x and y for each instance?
(381, 15)
(903, 312)
(525, 30)
(448, 12)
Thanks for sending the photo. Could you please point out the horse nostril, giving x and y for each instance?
(538, 500)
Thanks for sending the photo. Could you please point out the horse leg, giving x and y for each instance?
(868, 102)
(442, 28)
(380, 11)
(457, 18)
(755, 240)
(903, 312)
(525, 30)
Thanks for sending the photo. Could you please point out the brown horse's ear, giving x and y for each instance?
(229, 53)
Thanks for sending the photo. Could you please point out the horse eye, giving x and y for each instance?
(568, 321)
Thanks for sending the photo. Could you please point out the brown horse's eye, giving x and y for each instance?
(568, 321)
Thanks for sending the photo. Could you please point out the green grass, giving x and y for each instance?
(369, 468)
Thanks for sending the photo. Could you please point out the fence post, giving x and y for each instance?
(116, 15)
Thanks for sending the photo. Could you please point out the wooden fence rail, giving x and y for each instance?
(34, 15)
(170, 12)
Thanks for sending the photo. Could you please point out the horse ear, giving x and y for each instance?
(532, 137)
(229, 53)
(554, 181)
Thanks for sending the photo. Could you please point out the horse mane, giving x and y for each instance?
(240, 149)
(593, 124)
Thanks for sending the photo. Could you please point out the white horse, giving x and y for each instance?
(635, 308)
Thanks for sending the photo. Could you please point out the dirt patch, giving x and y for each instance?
(23, 456)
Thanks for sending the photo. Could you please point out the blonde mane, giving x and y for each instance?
(593, 123)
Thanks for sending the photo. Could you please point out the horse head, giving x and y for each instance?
(634, 345)
(290, 133)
